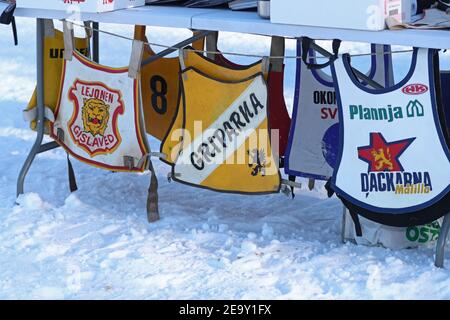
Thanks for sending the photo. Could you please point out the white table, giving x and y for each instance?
(219, 20)
(245, 22)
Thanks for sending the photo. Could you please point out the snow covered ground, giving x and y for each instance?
(96, 243)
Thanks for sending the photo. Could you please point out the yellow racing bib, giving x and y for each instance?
(225, 142)
(160, 88)
(53, 64)
(170, 144)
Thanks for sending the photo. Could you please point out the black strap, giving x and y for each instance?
(72, 179)
(355, 218)
(14, 30)
(311, 184)
(7, 17)
(282, 162)
(152, 198)
(292, 179)
(306, 46)
(330, 191)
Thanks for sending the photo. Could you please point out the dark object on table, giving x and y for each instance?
(264, 9)
(243, 4)
(423, 4)
(444, 5)
(7, 17)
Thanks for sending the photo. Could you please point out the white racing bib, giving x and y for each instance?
(99, 116)
(393, 160)
(314, 137)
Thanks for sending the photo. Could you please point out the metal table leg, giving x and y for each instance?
(440, 247)
(40, 106)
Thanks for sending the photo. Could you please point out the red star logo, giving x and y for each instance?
(381, 155)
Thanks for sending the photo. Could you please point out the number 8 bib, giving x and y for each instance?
(160, 88)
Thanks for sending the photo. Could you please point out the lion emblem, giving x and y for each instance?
(95, 115)
(381, 160)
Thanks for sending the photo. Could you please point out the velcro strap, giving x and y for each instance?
(68, 40)
(49, 28)
(357, 222)
(150, 155)
(292, 184)
(182, 57)
(158, 155)
(211, 44)
(152, 198)
(171, 176)
(72, 179)
(31, 115)
(128, 162)
(137, 52)
(88, 29)
(265, 65)
(277, 50)
(311, 184)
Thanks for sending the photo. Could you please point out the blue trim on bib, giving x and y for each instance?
(347, 197)
(295, 108)
(348, 68)
(293, 125)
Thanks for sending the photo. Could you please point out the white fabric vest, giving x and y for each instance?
(313, 141)
(395, 238)
(99, 116)
(393, 157)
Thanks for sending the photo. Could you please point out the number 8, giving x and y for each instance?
(159, 95)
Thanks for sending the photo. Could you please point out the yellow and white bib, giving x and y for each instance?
(170, 144)
(99, 117)
(225, 141)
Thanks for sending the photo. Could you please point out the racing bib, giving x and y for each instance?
(160, 88)
(171, 142)
(313, 142)
(53, 61)
(226, 144)
(279, 118)
(98, 116)
(393, 166)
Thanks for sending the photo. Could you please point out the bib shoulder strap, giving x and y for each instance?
(68, 40)
(306, 46)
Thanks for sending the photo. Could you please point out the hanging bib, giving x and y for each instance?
(395, 238)
(279, 118)
(53, 61)
(226, 144)
(98, 116)
(160, 88)
(171, 143)
(393, 165)
(313, 141)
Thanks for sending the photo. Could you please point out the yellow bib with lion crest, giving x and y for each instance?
(160, 88)
(98, 119)
(225, 140)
